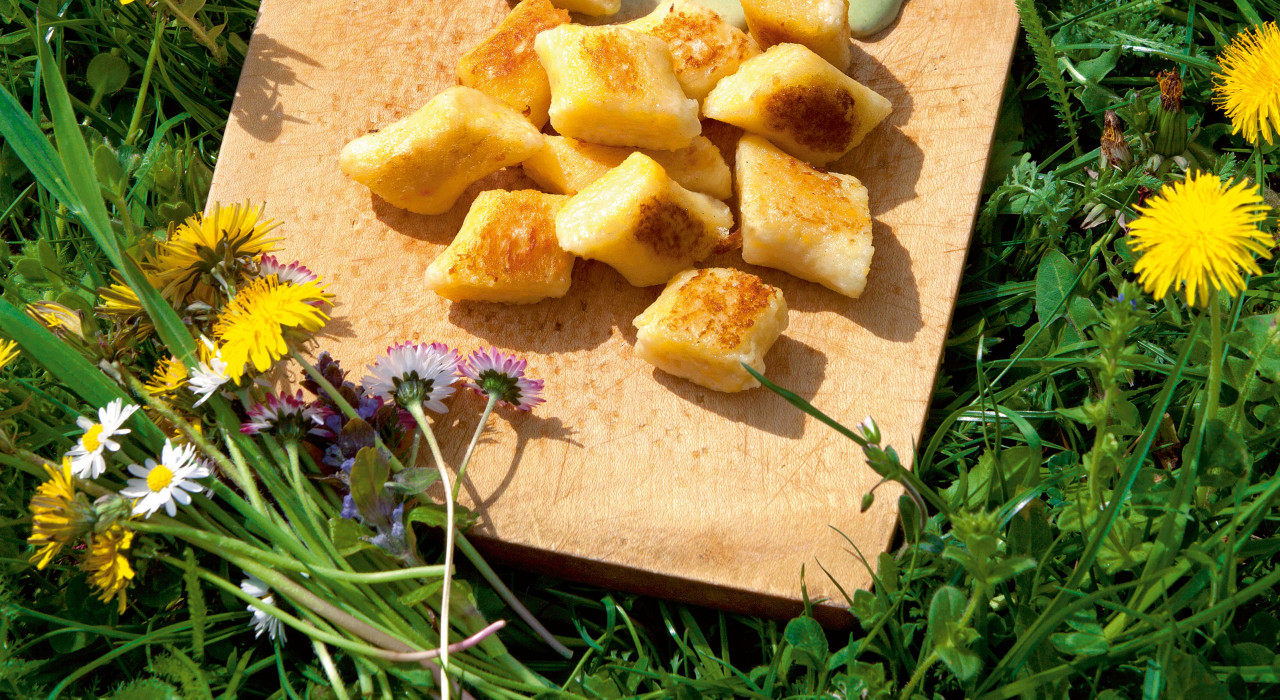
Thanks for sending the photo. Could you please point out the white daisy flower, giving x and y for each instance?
(87, 459)
(166, 484)
(208, 377)
(410, 372)
(262, 622)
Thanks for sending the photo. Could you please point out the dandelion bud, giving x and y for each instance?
(59, 319)
(1171, 121)
(1115, 150)
(108, 510)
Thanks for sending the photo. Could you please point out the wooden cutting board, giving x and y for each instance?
(628, 477)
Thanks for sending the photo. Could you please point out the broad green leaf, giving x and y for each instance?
(433, 515)
(1086, 639)
(1054, 281)
(951, 639)
(1224, 456)
(413, 480)
(368, 481)
(867, 681)
(107, 73)
(808, 641)
(349, 536)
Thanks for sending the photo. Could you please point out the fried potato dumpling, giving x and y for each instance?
(704, 47)
(643, 224)
(796, 218)
(707, 323)
(506, 251)
(595, 8)
(505, 65)
(423, 162)
(616, 87)
(821, 25)
(567, 166)
(801, 103)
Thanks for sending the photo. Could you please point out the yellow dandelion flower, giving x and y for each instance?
(202, 243)
(168, 378)
(1248, 86)
(57, 515)
(119, 301)
(107, 564)
(8, 352)
(1199, 234)
(252, 329)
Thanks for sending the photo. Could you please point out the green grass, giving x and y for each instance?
(1085, 523)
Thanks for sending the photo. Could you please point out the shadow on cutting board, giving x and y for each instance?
(790, 363)
(583, 319)
(258, 109)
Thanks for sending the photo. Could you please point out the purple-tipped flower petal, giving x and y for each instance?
(292, 273)
(501, 376)
(411, 372)
(290, 416)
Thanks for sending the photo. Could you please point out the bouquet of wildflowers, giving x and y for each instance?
(309, 495)
(296, 504)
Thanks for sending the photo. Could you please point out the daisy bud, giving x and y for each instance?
(870, 431)
(291, 417)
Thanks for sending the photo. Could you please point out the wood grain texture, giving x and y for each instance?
(627, 476)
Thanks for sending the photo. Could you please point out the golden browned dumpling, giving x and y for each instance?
(566, 166)
(704, 47)
(643, 224)
(423, 162)
(595, 8)
(821, 25)
(505, 65)
(800, 102)
(813, 224)
(506, 251)
(616, 87)
(707, 323)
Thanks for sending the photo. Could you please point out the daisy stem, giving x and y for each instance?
(238, 472)
(299, 488)
(466, 459)
(330, 670)
(415, 409)
(509, 597)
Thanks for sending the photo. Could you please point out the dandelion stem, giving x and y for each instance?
(1214, 385)
(466, 459)
(415, 409)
